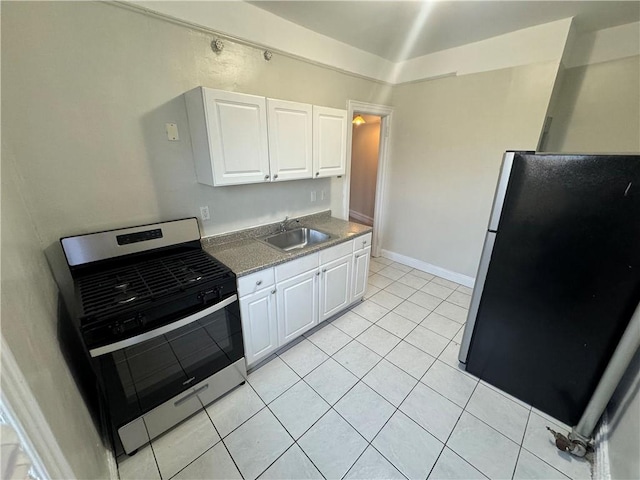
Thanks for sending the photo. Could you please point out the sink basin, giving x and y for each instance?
(296, 239)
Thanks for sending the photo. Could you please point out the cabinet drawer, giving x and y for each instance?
(361, 242)
(333, 253)
(296, 267)
(255, 281)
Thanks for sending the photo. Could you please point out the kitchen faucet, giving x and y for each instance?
(286, 221)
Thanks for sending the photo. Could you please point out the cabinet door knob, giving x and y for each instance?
(259, 282)
(266, 177)
(273, 291)
(275, 176)
(317, 273)
(317, 174)
(364, 242)
(324, 270)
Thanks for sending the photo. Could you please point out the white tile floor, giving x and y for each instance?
(376, 393)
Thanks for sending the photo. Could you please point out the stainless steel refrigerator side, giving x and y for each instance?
(620, 360)
(481, 276)
(501, 191)
(487, 249)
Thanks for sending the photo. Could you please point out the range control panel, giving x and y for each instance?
(139, 236)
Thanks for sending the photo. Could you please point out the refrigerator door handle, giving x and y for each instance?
(485, 259)
(501, 190)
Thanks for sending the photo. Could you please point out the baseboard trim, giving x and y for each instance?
(429, 268)
(361, 217)
(601, 464)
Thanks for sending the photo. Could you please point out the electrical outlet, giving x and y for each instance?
(313, 195)
(204, 213)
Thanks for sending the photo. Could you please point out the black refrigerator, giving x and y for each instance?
(559, 277)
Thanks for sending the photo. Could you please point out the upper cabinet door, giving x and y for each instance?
(329, 141)
(290, 140)
(229, 137)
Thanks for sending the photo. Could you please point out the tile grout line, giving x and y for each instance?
(295, 442)
(451, 433)
(515, 467)
(266, 406)
(547, 463)
(370, 444)
(155, 459)
(216, 443)
(397, 409)
(331, 407)
(467, 403)
(419, 380)
(246, 382)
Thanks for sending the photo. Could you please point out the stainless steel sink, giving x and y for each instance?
(296, 239)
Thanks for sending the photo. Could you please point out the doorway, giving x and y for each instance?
(367, 152)
(365, 148)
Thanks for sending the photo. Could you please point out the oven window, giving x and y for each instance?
(138, 378)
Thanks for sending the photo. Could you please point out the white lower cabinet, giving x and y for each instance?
(300, 294)
(259, 324)
(360, 272)
(297, 305)
(335, 283)
(361, 256)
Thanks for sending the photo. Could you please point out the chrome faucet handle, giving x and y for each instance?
(286, 221)
(283, 224)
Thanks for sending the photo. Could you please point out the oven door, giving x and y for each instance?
(156, 366)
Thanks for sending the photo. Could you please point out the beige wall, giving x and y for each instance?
(88, 88)
(364, 166)
(598, 109)
(29, 326)
(447, 141)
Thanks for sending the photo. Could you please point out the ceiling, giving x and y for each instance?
(400, 30)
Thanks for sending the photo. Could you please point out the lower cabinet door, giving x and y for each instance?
(259, 324)
(360, 272)
(335, 283)
(297, 305)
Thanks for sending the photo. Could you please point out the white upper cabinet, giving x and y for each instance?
(290, 139)
(229, 136)
(329, 141)
(239, 138)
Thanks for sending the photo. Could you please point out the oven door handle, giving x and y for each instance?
(143, 337)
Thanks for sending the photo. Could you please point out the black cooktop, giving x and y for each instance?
(111, 291)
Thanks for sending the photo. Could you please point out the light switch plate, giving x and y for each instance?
(172, 131)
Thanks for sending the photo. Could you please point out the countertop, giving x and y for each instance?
(243, 253)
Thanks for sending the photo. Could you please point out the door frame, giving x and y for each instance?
(29, 422)
(386, 115)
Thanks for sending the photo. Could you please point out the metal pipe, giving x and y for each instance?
(626, 349)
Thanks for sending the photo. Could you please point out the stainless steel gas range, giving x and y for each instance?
(160, 322)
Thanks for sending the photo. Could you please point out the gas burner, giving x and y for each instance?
(191, 275)
(125, 297)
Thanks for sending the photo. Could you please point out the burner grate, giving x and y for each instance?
(115, 289)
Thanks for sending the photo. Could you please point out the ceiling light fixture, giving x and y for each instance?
(358, 120)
